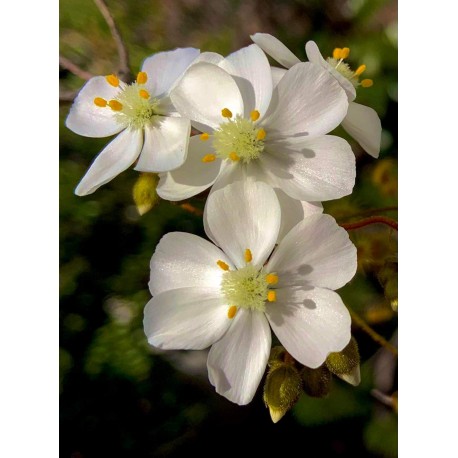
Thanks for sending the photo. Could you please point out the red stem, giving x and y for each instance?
(371, 220)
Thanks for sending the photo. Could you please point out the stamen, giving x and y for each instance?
(261, 135)
(367, 83)
(254, 115)
(144, 94)
(248, 256)
(222, 265)
(271, 296)
(100, 102)
(115, 105)
(226, 113)
(337, 53)
(360, 70)
(204, 137)
(233, 156)
(209, 158)
(113, 80)
(272, 279)
(231, 312)
(142, 78)
(345, 53)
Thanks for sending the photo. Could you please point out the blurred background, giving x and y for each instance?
(118, 396)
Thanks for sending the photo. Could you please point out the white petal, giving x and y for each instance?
(86, 118)
(353, 377)
(275, 49)
(164, 69)
(316, 252)
(117, 156)
(364, 125)
(204, 91)
(314, 56)
(186, 318)
(277, 75)
(315, 169)
(210, 57)
(194, 176)
(310, 323)
(166, 145)
(238, 361)
(181, 260)
(244, 215)
(293, 211)
(308, 101)
(251, 70)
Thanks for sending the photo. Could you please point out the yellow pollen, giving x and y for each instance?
(222, 265)
(337, 53)
(272, 279)
(360, 70)
(115, 105)
(254, 115)
(248, 256)
(233, 156)
(226, 113)
(367, 83)
(143, 94)
(113, 80)
(345, 53)
(204, 137)
(232, 311)
(100, 102)
(261, 135)
(142, 78)
(271, 296)
(209, 158)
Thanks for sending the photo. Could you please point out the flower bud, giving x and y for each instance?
(388, 278)
(282, 389)
(316, 382)
(345, 363)
(144, 192)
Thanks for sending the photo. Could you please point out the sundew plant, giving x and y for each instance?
(229, 233)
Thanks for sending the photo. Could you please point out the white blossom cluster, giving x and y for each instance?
(274, 260)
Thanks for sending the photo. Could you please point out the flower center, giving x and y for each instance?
(133, 105)
(247, 287)
(238, 138)
(337, 61)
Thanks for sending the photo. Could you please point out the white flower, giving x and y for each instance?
(141, 113)
(250, 129)
(227, 297)
(361, 122)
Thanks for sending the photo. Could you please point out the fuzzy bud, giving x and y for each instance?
(345, 363)
(388, 278)
(144, 192)
(316, 382)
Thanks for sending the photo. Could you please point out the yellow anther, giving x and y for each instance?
(232, 311)
(261, 135)
(204, 137)
(337, 53)
(113, 80)
(142, 78)
(272, 279)
(100, 102)
(115, 105)
(226, 113)
(209, 158)
(360, 70)
(367, 83)
(222, 265)
(345, 53)
(271, 296)
(248, 256)
(254, 115)
(143, 94)
(234, 157)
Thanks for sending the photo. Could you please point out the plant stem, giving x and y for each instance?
(370, 220)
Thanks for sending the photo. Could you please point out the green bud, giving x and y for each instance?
(388, 278)
(345, 363)
(316, 382)
(144, 192)
(282, 389)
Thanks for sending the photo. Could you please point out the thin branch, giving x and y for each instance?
(67, 96)
(124, 71)
(373, 211)
(389, 401)
(371, 220)
(376, 337)
(191, 209)
(75, 69)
